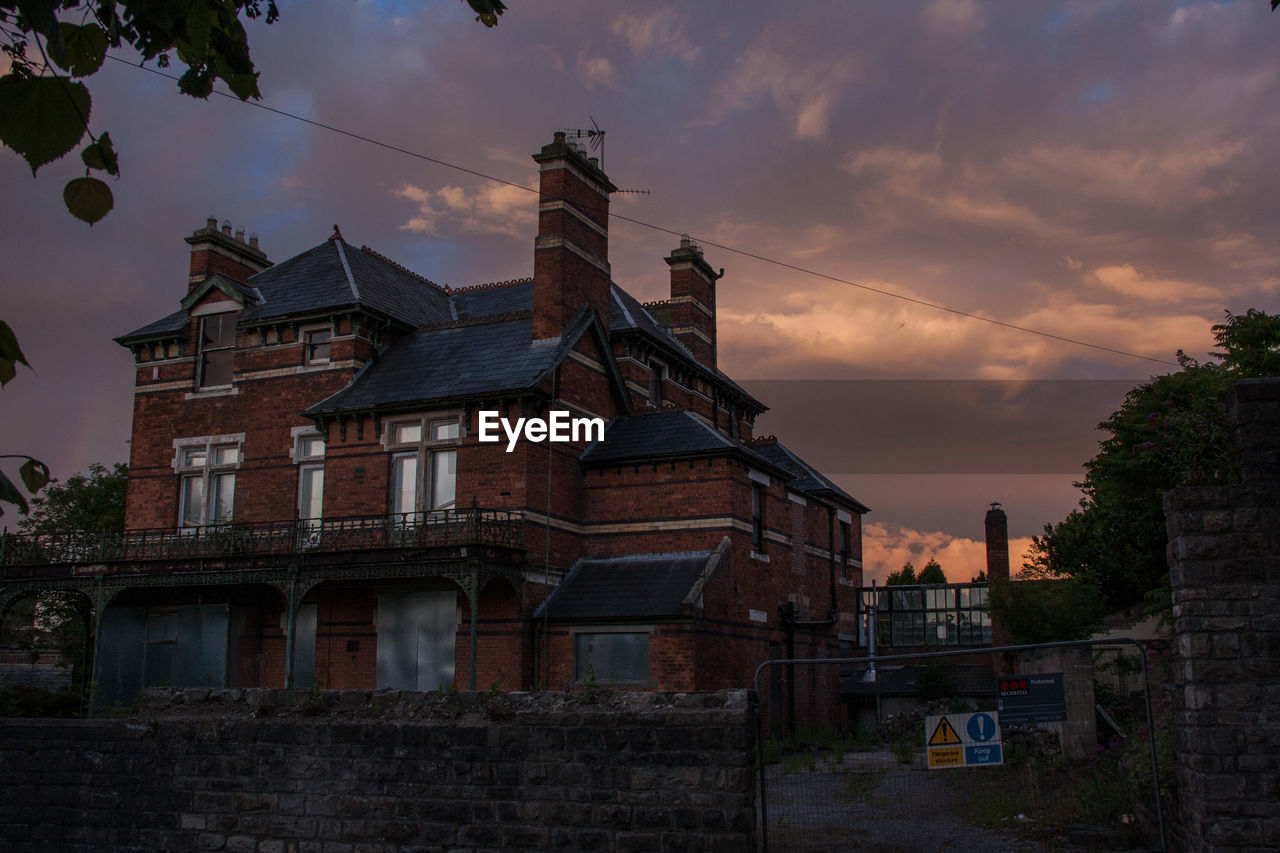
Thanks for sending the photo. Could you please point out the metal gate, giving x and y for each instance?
(1056, 746)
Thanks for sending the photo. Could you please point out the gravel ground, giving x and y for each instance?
(888, 808)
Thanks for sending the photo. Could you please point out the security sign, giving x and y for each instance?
(963, 740)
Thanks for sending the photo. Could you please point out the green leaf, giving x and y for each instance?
(199, 22)
(86, 49)
(88, 199)
(34, 474)
(10, 354)
(9, 494)
(102, 155)
(42, 118)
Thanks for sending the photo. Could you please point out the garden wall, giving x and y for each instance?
(1224, 559)
(274, 771)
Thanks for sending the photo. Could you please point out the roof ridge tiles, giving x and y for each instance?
(665, 408)
(444, 288)
(483, 320)
(492, 285)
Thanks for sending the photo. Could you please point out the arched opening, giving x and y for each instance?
(45, 653)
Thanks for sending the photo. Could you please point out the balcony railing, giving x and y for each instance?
(434, 529)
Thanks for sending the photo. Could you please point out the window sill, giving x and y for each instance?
(216, 391)
(846, 582)
(756, 555)
(313, 368)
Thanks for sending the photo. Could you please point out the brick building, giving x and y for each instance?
(310, 500)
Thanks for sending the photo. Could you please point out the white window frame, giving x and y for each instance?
(429, 454)
(210, 474)
(309, 460)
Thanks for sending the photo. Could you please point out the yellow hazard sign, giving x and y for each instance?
(946, 756)
(944, 734)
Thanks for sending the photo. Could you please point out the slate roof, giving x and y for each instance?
(497, 299)
(440, 363)
(633, 587)
(805, 478)
(336, 275)
(657, 435)
(444, 363)
(165, 327)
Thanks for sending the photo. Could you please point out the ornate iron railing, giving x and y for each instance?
(433, 529)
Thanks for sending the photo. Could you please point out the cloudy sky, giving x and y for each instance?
(1099, 170)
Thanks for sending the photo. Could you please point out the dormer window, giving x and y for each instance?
(315, 344)
(217, 350)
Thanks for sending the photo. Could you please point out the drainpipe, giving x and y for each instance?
(787, 616)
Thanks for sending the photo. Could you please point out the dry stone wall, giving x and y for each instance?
(273, 771)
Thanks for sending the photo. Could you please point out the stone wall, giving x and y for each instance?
(1224, 558)
(273, 771)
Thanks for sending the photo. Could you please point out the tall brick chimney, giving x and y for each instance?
(217, 250)
(571, 252)
(693, 301)
(997, 544)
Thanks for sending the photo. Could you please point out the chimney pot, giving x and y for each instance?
(594, 161)
(253, 240)
(226, 227)
(559, 137)
(211, 223)
(240, 234)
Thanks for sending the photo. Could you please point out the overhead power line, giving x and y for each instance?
(722, 246)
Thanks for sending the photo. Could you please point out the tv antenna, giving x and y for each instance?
(595, 139)
(594, 136)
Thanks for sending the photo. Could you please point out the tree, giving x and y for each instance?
(92, 502)
(931, 573)
(1171, 431)
(903, 577)
(53, 44)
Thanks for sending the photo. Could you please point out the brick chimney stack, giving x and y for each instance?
(571, 252)
(217, 250)
(997, 544)
(693, 301)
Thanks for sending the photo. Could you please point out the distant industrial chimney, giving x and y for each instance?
(997, 544)
(571, 252)
(692, 317)
(217, 250)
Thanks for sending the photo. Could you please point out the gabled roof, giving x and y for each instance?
(240, 293)
(667, 434)
(636, 587)
(627, 314)
(805, 478)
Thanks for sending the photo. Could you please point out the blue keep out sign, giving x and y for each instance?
(985, 754)
(981, 728)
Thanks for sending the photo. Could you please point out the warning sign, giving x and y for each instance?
(944, 735)
(963, 740)
(946, 756)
